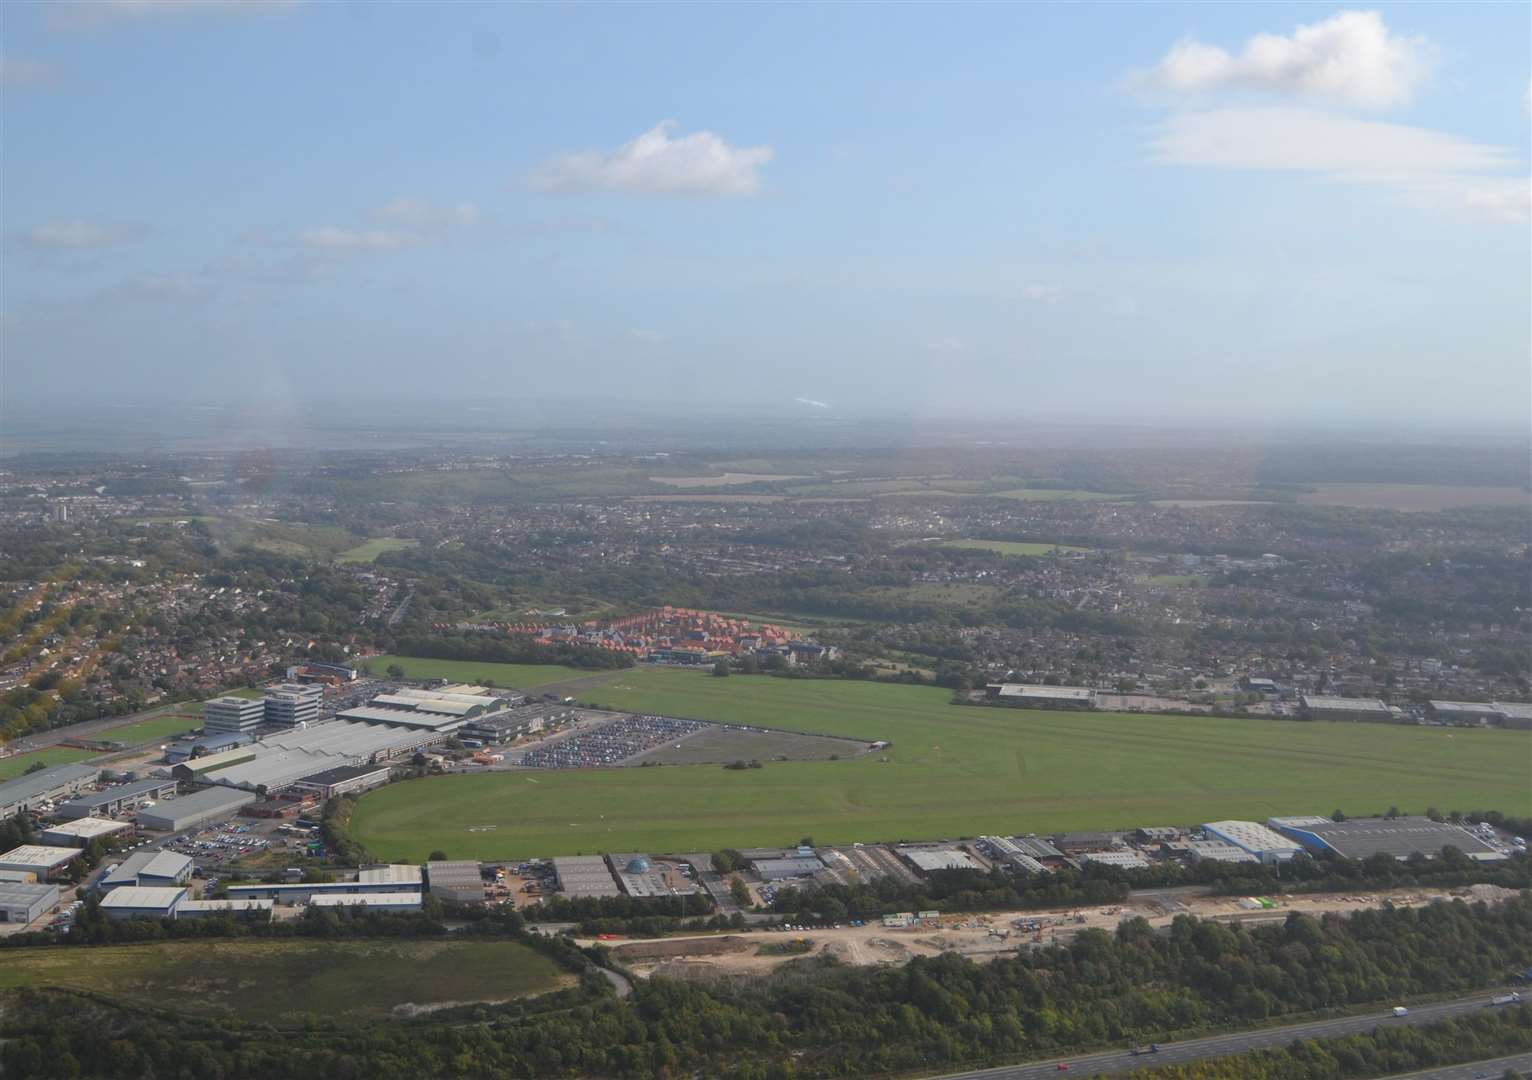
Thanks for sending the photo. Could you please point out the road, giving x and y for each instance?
(1474, 1070)
(1118, 1061)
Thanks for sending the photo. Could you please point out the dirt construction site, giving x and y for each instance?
(983, 936)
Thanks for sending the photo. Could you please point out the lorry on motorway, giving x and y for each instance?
(1400, 1010)
(1505, 999)
(1149, 1048)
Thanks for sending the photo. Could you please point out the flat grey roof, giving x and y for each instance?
(143, 897)
(455, 874)
(33, 784)
(1349, 704)
(121, 791)
(21, 894)
(1357, 838)
(213, 798)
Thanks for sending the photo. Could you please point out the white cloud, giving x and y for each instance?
(19, 73)
(1420, 167)
(1305, 139)
(1350, 58)
(1042, 294)
(701, 163)
(420, 214)
(78, 234)
(75, 15)
(811, 403)
(337, 239)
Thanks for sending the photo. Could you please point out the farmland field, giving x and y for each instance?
(281, 980)
(12, 767)
(1054, 494)
(369, 550)
(518, 676)
(1414, 498)
(1010, 547)
(952, 771)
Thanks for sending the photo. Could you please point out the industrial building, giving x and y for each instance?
(1465, 713)
(457, 880)
(1122, 860)
(639, 876)
(1209, 851)
(346, 778)
(1345, 709)
(18, 877)
(280, 760)
(22, 903)
(1037, 847)
(307, 892)
(45, 786)
(120, 799)
(199, 768)
(237, 714)
(81, 831)
(1251, 836)
(38, 859)
(151, 869)
(1011, 853)
(403, 876)
(177, 752)
(930, 860)
(1358, 838)
(1044, 697)
(1077, 843)
(292, 704)
(1514, 714)
(584, 875)
(203, 909)
(394, 901)
(177, 815)
(793, 866)
(137, 902)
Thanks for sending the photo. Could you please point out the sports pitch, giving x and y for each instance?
(951, 771)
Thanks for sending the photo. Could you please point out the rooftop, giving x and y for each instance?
(44, 780)
(34, 856)
(1357, 838)
(393, 874)
(138, 897)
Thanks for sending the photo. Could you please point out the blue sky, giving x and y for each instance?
(1142, 211)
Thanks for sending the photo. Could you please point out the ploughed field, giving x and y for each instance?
(951, 771)
(279, 981)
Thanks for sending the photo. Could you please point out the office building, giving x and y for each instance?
(237, 715)
(292, 704)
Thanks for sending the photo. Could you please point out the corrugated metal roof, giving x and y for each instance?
(381, 899)
(143, 897)
(39, 855)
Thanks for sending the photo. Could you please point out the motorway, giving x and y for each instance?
(1474, 1070)
(1120, 1061)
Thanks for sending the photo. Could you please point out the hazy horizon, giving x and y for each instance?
(1281, 216)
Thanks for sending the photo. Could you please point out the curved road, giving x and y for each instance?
(1474, 1070)
(1118, 1061)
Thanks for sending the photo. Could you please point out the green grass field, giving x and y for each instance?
(278, 981)
(518, 676)
(155, 729)
(12, 767)
(1053, 494)
(1010, 547)
(369, 550)
(952, 771)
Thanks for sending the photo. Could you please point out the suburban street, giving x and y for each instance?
(1119, 1061)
